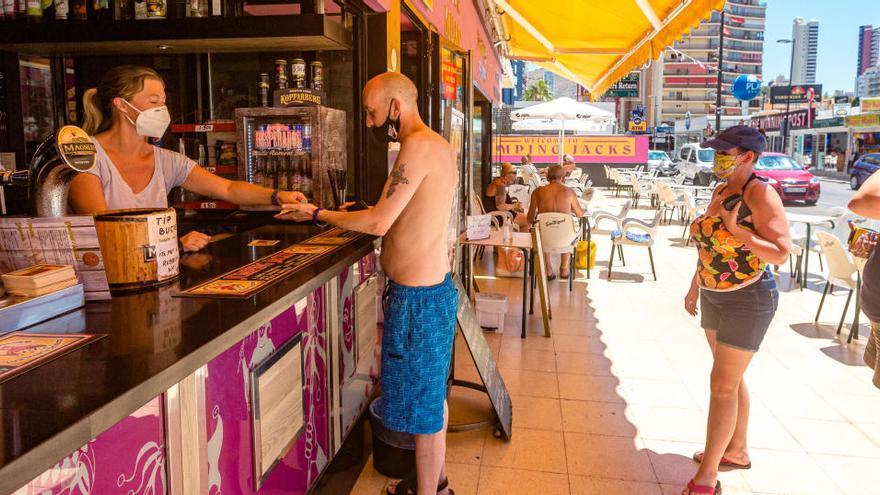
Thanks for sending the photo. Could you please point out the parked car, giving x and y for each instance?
(658, 159)
(791, 180)
(696, 163)
(862, 169)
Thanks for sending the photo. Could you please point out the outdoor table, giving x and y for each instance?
(521, 241)
(809, 221)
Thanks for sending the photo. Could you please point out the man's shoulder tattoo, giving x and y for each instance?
(398, 177)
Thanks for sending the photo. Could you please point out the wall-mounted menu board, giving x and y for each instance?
(258, 275)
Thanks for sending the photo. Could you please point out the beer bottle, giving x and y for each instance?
(34, 10)
(77, 10)
(62, 10)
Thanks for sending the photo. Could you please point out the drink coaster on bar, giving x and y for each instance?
(22, 351)
(252, 278)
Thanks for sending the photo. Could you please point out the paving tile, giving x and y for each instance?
(609, 457)
(668, 423)
(370, 481)
(639, 391)
(586, 485)
(588, 387)
(530, 383)
(602, 418)
(527, 359)
(465, 447)
(853, 475)
(832, 437)
(583, 364)
(673, 464)
(463, 478)
(539, 413)
(579, 344)
(536, 450)
(787, 472)
(502, 481)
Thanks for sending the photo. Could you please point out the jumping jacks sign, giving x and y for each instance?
(799, 119)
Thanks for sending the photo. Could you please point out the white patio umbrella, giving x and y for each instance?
(589, 126)
(564, 110)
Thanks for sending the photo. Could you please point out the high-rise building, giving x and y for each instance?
(868, 82)
(510, 95)
(869, 48)
(690, 79)
(805, 36)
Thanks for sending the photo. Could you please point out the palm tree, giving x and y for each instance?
(539, 91)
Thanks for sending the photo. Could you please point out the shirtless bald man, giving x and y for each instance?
(421, 301)
(555, 198)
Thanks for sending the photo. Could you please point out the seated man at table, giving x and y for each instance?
(568, 164)
(555, 198)
(502, 201)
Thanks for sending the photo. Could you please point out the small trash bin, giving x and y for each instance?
(490, 309)
(581, 259)
(394, 453)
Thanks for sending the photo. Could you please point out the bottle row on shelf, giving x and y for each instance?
(81, 10)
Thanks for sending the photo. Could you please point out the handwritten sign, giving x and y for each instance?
(485, 362)
(584, 149)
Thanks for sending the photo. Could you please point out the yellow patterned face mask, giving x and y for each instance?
(724, 165)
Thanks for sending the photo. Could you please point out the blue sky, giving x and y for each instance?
(839, 22)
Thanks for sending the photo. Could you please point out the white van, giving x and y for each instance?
(696, 163)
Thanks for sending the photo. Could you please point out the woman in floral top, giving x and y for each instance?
(744, 228)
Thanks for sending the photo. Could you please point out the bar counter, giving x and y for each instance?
(144, 409)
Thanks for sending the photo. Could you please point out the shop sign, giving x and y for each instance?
(863, 120)
(584, 149)
(870, 104)
(627, 87)
(298, 97)
(449, 78)
(637, 124)
(451, 28)
(799, 119)
(832, 122)
(840, 100)
(661, 131)
(799, 93)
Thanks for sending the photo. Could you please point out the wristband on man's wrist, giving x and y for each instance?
(274, 198)
(315, 218)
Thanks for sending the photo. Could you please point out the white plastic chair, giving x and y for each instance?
(639, 189)
(559, 235)
(520, 192)
(637, 228)
(842, 272)
(670, 200)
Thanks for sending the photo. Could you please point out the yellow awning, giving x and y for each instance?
(597, 42)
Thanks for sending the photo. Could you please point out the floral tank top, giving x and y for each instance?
(725, 263)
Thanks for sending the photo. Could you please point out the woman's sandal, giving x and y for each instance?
(703, 489)
(725, 462)
(409, 486)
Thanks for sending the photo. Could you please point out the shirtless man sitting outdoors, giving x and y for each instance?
(555, 198)
(497, 190)
(421, 301)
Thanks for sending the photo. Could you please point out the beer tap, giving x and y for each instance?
(58, 159)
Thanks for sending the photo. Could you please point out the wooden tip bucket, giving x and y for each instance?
(139, 247)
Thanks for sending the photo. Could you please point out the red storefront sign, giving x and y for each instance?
(799, 119)
(449, 78)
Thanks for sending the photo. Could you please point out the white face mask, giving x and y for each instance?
(152, 122)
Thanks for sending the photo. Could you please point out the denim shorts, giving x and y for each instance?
(741, 317)
(417, 336)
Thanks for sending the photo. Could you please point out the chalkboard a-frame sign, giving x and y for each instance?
(485, 362)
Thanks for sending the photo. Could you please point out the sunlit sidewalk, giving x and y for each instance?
(615, 401)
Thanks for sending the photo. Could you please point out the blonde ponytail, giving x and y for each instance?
(123, 81)
(92, 109)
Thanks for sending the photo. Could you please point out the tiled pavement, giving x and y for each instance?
(615, 401)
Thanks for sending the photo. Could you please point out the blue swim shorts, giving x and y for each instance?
(417, 341)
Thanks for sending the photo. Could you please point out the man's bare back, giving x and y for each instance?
(553, 198)
(414, 250)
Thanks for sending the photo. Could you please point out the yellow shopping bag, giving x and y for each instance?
(581, 260)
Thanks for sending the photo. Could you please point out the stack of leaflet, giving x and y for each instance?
(39, 280)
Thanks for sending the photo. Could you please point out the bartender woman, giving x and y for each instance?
(127, 107)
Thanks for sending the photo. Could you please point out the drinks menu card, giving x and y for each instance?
(256, 276)
(68, 240)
